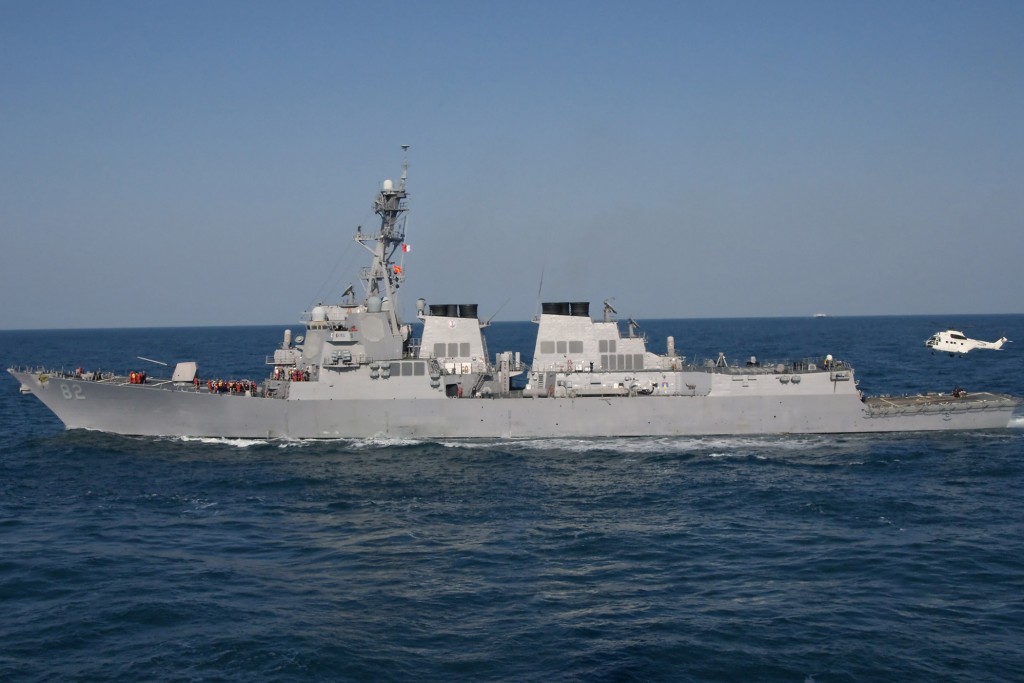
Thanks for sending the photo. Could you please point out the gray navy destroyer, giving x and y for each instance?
(358, 372)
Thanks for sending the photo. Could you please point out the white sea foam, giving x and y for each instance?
(222, 441)
(724, 446)
(738, 454)
(385, 442)
(713, 446)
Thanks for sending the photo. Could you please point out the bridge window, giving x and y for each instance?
(575, 347)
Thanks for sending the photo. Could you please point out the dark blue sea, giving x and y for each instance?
(804, 559)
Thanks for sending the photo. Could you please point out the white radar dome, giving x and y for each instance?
(318, 314)
(388, 186)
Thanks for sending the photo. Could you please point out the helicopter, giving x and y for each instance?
(956, 342)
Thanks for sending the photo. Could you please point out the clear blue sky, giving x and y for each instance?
(203, 163)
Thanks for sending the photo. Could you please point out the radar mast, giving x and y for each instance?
(384, 277)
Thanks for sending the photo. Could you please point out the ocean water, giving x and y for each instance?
(808, 559)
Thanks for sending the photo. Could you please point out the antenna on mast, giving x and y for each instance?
(488, 322)
(540, 288)
(405, 166)
(608, 310)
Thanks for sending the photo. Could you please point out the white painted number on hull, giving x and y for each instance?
(70, 392)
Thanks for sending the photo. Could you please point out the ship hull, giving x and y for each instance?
(163, 411)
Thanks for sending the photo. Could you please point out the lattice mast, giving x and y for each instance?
(384, 276)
